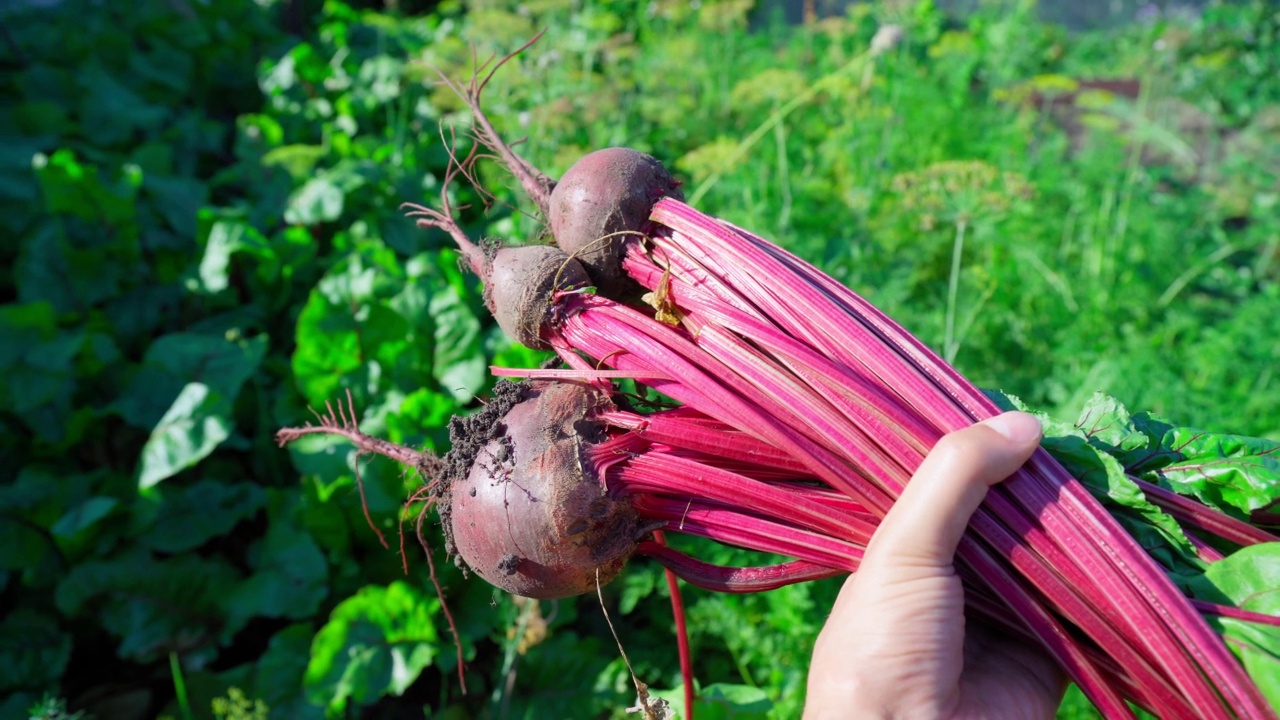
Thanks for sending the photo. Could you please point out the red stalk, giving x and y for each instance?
(1045, 579)
(804, 368)
(1193, 514)
(599, 328)
(1235, 613)
(819, 311)
(1167, 605)
(704, 435)
(1204, 550)
(663, 473)
(695, 517)
(719, 578)
(594, 327)
(682, 632)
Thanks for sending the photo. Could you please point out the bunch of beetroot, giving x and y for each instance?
(798, 413)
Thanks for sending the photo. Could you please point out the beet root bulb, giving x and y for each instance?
(526, 512)
(602, 200)
(519, 284)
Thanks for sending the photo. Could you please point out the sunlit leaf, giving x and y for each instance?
(1249, 578)
(225, 238)
(375, 643)
(721, 701)
(380, 79)
(422, 419)
(297, 160)
(173, 361)
(73, 187)
(197, 423)
(1229, 472)
(366, 328)
(320, 200)
(458, 363)
(1085, 449)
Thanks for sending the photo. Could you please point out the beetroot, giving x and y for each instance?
(519, 282)
(605, 197)
(601, 201)
(523, 508)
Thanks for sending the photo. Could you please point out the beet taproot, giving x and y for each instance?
(519, 283)
(519, 280)
(603, 201)
(524, 510)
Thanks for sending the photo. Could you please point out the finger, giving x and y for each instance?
(926, 522)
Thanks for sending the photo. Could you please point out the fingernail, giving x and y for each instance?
(1016, 427)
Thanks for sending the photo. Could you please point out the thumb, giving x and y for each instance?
(926, 522)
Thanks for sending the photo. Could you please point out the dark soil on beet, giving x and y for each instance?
(468, 436)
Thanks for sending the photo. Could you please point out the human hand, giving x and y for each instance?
(895, 644)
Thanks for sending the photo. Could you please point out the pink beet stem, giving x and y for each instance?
(818, 310)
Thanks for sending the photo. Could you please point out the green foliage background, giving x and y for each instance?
(202, 239)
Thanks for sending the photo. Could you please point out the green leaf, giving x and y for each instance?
(297, 160)
(1106, 422)
(379, 79)
(323, 516)
(511, 354)
(41, 117)
(33, 503)
(421, 420)
(1228, 472)
(636, 586)
(329, 351)
(173, 361)
(375, 643)
(75, 273)
(364, 328)
(84, 515)
(328, 458)
(152, 606)
(223, 240)
(24, 325)
(1248, 578)
(37, 363)
(76, 189)
(278, 674)
(177, 199)
(459, 363)
(196, 424)
(319, 200)
(112, 109)
(1085, 449)
(290, 575)
(190, 517)
(33, 651)
(722, 701)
